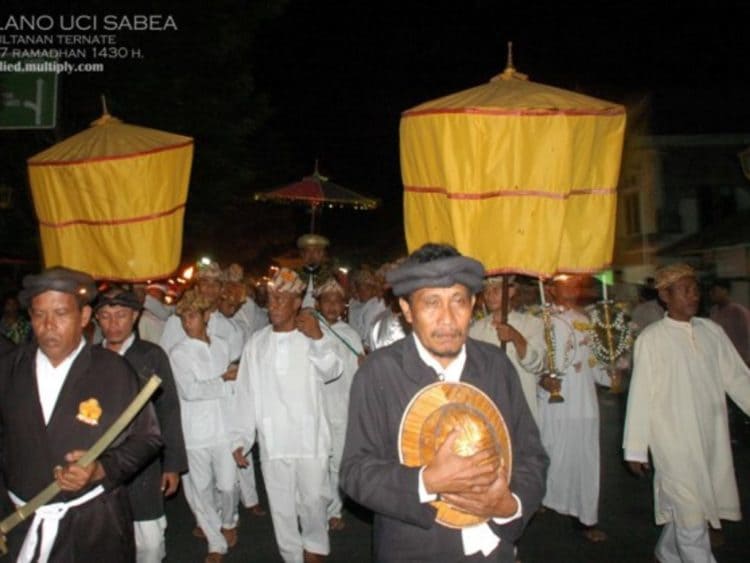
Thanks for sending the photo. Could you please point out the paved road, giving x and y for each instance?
(626, 514)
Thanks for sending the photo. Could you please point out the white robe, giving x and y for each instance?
(280, 391)
(206, 413)
(204, 395)
(570, 430)
(150, 327)
(677, 409)
(531, 367)
(336, 400)
(218, 325)
(250, 318)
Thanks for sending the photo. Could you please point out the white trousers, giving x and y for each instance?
(246, 480)
(684, 545)
(149, 540)
(338, 436)
(298, 495)
(210, 491)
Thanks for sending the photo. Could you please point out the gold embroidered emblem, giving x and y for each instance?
(89, 412)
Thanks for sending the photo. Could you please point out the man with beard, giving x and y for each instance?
(57, 398)
(117, 312)
(683, 368)
(436, 287)
(280, 393)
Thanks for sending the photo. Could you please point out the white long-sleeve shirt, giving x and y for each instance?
(280, 394)
(532, 365)
(336, 392)
(218, 325)
(677, 410)
(204, 396)
(250, 318)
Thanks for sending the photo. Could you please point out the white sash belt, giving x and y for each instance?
(48, 516)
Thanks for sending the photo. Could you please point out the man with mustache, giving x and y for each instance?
(436, 287)
(57, 398)
(117, 312)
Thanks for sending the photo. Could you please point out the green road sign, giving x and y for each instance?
(28, 94)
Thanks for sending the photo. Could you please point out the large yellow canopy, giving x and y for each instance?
(519, 175)
(111, 200)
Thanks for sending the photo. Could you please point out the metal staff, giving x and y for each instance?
(616, 385)
(549, 339)
(91, 455)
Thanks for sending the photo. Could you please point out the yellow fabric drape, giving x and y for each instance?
(110, 200)
(519, 175)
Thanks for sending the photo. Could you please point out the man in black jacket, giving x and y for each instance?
(117, 312)
(436, 286)
(57, 398)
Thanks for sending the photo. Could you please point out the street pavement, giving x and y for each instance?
(625, 514)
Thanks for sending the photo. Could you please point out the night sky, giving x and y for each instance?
(343, 71)
(337, 74)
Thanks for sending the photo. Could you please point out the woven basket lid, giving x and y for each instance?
(432, 414)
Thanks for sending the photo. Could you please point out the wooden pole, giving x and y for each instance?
(505, 306)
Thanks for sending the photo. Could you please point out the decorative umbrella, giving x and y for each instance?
(111, 199)
(317, 191)
(519, 175)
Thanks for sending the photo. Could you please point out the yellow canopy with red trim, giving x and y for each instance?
(110, 200)
(519, 175)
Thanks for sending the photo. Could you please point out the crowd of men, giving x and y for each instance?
(316, 369)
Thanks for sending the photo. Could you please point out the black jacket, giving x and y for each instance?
(404, 528)
(145, 492)
(29, 449)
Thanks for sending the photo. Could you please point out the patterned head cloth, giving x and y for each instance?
(498, 280)
(234, 273)
(330, 286)
(192, 301)
(364, 276)
(286, 281)
(58, 278)
(210, 271)
(667, 275)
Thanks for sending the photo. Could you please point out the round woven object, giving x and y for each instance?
(432, 414)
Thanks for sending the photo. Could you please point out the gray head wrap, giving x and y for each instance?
(442, 272)
(58, 278)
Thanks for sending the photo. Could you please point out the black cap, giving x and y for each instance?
(58, 278)
(115, 297)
